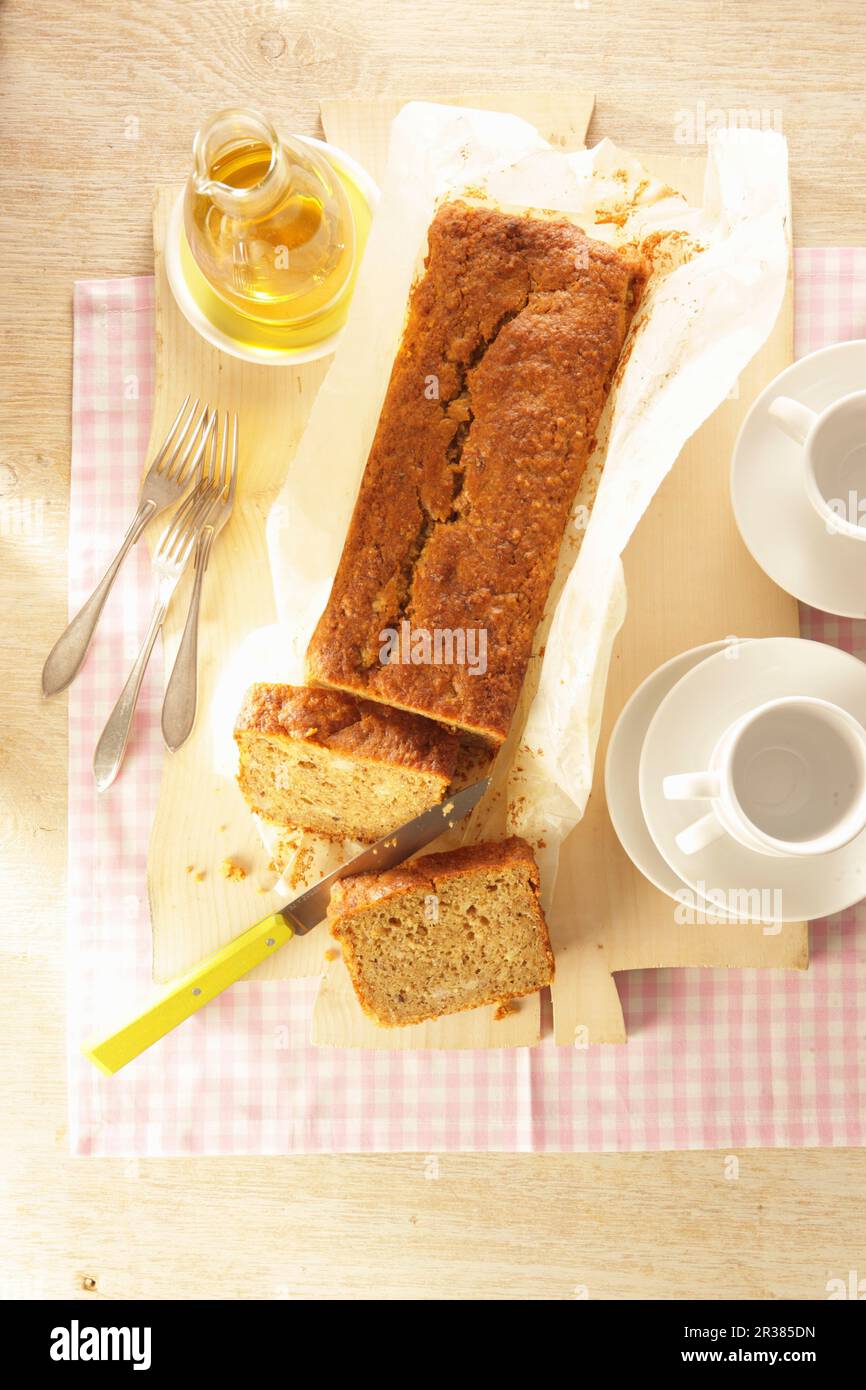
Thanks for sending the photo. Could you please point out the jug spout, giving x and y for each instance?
(236, 159)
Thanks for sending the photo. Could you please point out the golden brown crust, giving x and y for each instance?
(512, 338)
(347, 725)
(356, 892)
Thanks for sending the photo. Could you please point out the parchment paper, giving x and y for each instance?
(718, 280)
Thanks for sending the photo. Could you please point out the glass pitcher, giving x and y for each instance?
(268, 221)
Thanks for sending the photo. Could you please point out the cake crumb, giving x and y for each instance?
(507, 1007)
(223, 827)
(189, 868)
(230, 870)
(199, 876)
(332, 953)
(301, 867)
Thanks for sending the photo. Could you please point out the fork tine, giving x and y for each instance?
(234, 473)
(209, 433)
(174, 525)
(188, 533)
(184, 545)
(224, 455)
(184, 440)
(180, 472)
(166, 443)
(186, 443)
(211, 472)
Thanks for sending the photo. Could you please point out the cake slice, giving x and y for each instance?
(443, 933)
(325, 761)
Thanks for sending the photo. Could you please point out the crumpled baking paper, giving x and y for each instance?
(718, 281)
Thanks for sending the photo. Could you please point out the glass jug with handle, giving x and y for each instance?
(268, 221)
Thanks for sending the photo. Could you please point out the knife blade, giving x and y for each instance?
(306, 911)
(217, 972)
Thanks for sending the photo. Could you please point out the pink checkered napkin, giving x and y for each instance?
(716, 1058)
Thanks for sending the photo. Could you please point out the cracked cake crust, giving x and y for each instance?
(512, 338)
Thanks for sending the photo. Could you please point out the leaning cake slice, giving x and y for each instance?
(328, 762)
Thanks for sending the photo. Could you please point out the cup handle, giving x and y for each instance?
(692, 786)
(700, 834)
(795, 419)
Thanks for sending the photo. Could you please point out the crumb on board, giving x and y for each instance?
(199, 875)
(189, 868)
(300, 867)
(332, 953)
(232, 870)
(263, 888)
(507, 1007)
(223, 827)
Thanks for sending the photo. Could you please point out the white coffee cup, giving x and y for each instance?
(834, 458)
(788, 778)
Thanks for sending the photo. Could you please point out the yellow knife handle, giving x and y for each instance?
(186, 995)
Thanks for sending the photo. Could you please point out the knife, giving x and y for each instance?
(186, 995)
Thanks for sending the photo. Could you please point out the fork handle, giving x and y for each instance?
(112, 743)
(181, 696)
(67, 655)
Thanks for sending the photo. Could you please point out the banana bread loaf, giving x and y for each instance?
(512, 338)
(328, 762)
(443, 933)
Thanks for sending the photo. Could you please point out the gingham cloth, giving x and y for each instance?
(716, 1058)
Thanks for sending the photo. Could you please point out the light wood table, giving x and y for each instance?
(99, 101)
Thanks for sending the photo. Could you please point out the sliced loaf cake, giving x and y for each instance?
(329, 762)
(443, 933)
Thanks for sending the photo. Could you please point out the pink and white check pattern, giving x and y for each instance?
(717, 1059)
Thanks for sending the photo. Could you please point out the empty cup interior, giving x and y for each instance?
(839, 461)
(797, 772)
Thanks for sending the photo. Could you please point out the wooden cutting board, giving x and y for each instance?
(201, 819)
(606, 916)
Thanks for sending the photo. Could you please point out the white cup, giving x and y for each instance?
(788, 778)
(834, 458)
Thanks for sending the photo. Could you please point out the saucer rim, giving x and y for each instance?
(759, 405)
(709, 649)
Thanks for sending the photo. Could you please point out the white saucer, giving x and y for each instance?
(782, 531)
(681, 738)
(621, 783)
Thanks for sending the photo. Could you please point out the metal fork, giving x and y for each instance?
(169, 561)
(166, 481)
(181, 696)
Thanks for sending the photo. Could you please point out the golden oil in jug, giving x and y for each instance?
(268, 221)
